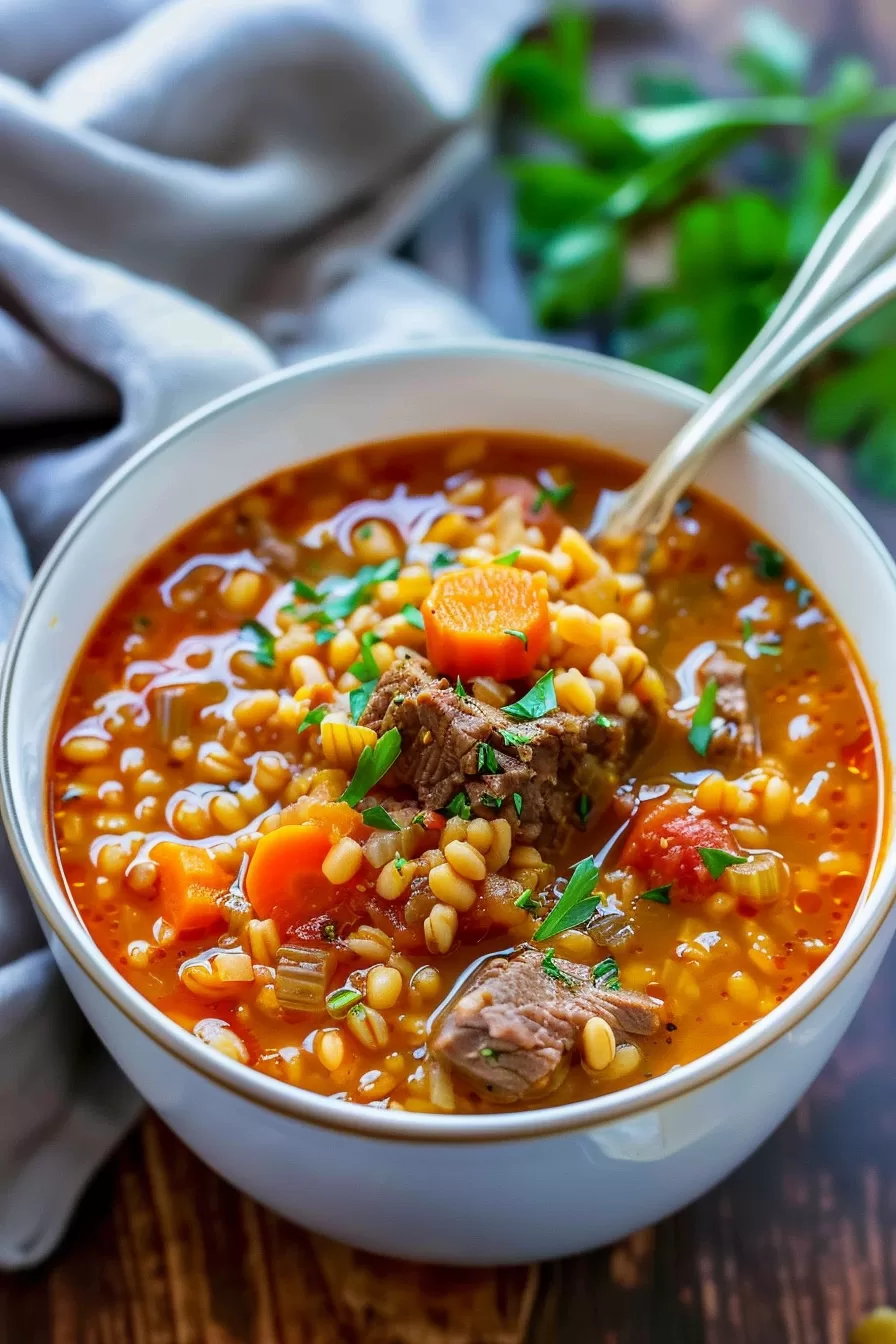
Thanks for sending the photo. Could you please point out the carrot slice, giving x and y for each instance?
(488, 621)
(336, 818)
(189, 883)
(284, 881)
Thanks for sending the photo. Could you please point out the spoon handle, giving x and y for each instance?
(850, 271)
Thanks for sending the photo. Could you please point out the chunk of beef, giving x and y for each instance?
(450, 744)
(736, 739)
(514, 1028)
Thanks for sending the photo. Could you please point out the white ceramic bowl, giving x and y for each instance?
(467, 1189)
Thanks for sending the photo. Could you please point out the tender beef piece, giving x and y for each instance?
(737, 738)
(562, 757)
(513, 1029)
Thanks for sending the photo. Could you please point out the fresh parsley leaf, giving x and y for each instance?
(767, 562)
(373, 764)
(459, 807)
(518, 804)
(755, 647)
(358, 698)
(700, 734)
(551, 493)
(366, 668)
(305, 591)
(577, 904)
(540, 700)
(514, 739)
(400, 862)
(323, 636)
(717, 860)
(550, 967)
(489, 800)
(488, 1052)
(314, 717)
(262, 641)
(442, 559)
(518, 634)
(339, 594)
(583, 807)
(509, 558)
(526, 901)
(412, 616)
(419, 820)
(660, 895)
(379, 820)
(460, 692)
(602, 721)
(486, 760)
(606, 973)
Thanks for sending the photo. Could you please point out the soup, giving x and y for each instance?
(384, 780)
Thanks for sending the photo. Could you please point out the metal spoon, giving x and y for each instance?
(850, 272)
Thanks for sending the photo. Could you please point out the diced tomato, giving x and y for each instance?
(665, 842)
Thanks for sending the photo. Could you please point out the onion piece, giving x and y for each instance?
(763, 878)
(303, 974)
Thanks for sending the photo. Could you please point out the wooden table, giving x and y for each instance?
(791, 1249)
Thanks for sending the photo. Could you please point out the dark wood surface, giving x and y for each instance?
(791, 1249)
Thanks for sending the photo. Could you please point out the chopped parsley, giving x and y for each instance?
(486, 760)
(767, 562)
(373, 763)
(419, 820)
(526, 901)
(488, 1053)
(323, 636)
(366, 668)
(328, 931)
(700, 734)
(606, 973)
(540, 700)
(459, 807)
(752, 645)
(577, 904)
(518, 804)
(518, 634)
(717, 860)
(338, 595)
(379, 820)
(400, 862)
(803, 595)
(339, 1001)
(314, 717)
(660, 895)
(365, 532)
(262, 641)
(357, 699)
(551, 493)
(305, 591)
(583, 807)
(442, 559)
(602, 721)
(514, 739)
(489, 800)
(550, 967)
(460, 692)
(509, 558)
(412, 616)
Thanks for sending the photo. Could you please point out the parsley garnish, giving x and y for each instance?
(583, 807)
(357, 699)
(379, 820)
(419, 820)
(262, 639)
(518, 634)
(373, 763)
(442, 559)
(803, 595)
(487, 1052)
(526, 901)
(752, 646)
(509, 558)
(577, 904)
(767, 562)
(339, 1001)
(486, 760)
(323, 636)
(541, 699)
(340, 594)
(717, 860)
(400, 862)
(658, 894)
(489, 800)
(366, 668)
(314, 717)
(365, 532)
(514, 739)
(328, 931)
(606, 972)
(518, 804)
(304, 590)
(550, 967)
(602, 721)
(557, 495)
(460, 692)
(700, 734)
(412, 616)
(459, 807)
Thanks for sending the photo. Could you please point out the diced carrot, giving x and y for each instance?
(488, 621)
(284, 881)
(189, 883)
(665, 843)
(337, 819)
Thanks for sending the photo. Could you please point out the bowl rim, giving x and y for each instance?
(53, 902)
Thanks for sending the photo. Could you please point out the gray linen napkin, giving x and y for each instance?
(191, 191)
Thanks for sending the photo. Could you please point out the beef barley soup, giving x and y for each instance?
(383, 780)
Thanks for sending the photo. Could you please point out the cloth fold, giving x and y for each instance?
(191, 192)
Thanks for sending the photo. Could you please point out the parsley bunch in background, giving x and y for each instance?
(681, 159)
